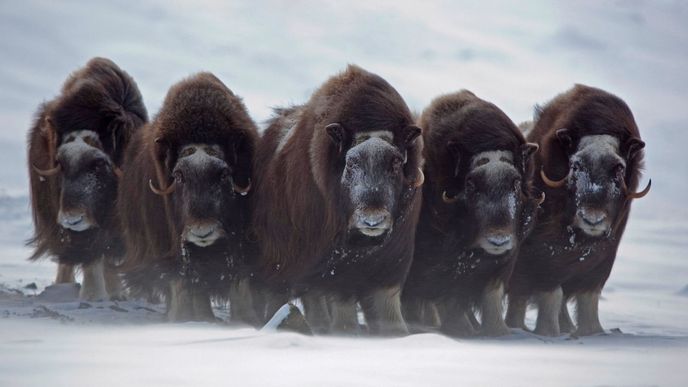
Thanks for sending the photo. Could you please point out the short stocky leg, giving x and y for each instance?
(587, 314)
(412, 308)
(470, 315)
(65, 273)
(180, 302)
(317, 315)
(516, 312)
(273, 301)
(202, 309)
(93, 286)
(455, 321)
(491, 308)
(344, 316)
(565, 322)
(113, 283)
(241, 302)
(549, 306)
(382, 310)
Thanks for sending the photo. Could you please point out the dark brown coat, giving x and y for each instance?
(102, 98)
(300, 218)
(557, 253)
(197, 110)
(449, 265)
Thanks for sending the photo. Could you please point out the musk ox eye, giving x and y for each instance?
(470, 185)
(212, 151)
(619, 169)
(517, 184)
(178, 176)
(187, 152)
(482, 161)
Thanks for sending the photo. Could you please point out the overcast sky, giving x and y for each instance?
(274, 53)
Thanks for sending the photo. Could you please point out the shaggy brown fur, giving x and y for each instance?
(556, 254)
(98, 97)
(299, 217)
(448, 267)
(198, 110)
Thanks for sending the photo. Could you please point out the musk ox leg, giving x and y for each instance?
(65, 273)
(587, 314)
(549, 306)
(344, 317)
(565, 322)
(430, 316)
(180, 302)
(241, 302)
(491, 307)
(474, 321)
(455, 321)
(93, 287)
(273, 301)
(317, 315)
(382, 310)
(113, 283)
(412, 308)
(202, 308)
(516, 312)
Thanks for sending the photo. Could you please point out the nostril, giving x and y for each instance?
(594, 220)
(499, 240)
(202, 232)
(74, 220)
(373, 221)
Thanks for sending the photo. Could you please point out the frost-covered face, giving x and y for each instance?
(372, 183)
(494, 200)
(596, 178)
(204, 188)
(89, 182)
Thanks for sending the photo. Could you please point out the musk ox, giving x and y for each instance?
(75, 150)
(337, 200)
(184, 200)
(589, 165)
(477, 207)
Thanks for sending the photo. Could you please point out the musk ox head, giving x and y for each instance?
(202, 192)
(494, 199)
(597, 179)
(88, 186)
(374, 179)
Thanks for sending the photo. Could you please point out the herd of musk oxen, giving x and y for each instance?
(349, 202)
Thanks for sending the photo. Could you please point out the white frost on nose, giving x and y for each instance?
(593, 149)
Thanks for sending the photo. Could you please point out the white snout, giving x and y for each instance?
(203, 234)
(74, 220)
(592, 222)
(497, 243)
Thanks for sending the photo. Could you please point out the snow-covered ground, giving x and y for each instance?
(275, 53)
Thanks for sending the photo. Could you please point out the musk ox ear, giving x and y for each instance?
(455, 152)
(527, 151)
(564, 137)
(337, 133)
(633, 146)
(410, 135)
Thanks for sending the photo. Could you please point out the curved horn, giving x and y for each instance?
(638, 195)
(449, 199)
(162, 192)
(242, 191)
(420, 180)
(47, 172)
(541, 199)
(549, 182)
